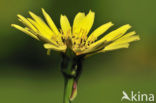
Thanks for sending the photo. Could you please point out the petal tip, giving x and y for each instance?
(128, 25)
(90, 11)
(31, 13)
(12, 25)
(110, 23)
(43, 10)
(19, 16)
(138, 38)
(134, 32)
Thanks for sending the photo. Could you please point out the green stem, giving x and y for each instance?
(68, 89)
(71, 69)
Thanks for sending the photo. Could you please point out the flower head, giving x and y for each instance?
(77, 36)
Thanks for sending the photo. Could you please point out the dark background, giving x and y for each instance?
(28, 75)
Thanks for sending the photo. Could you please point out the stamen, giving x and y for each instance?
(69, 43)
(81, 41)
(63, 40)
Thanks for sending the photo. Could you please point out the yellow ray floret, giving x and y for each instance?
(99, 31)
(52, 47)
(50, 22)
(81, 41)
(78, 18)
(24, 30)
(65, 25)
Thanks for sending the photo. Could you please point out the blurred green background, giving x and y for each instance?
(28, 75)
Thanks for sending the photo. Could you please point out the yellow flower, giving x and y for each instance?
(78, 34)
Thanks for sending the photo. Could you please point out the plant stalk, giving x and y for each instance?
(68, 89)
(71, 67)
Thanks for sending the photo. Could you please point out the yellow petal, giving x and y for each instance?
(99, 31)
(89, 21)
(53, 47)
(122, 42)
(24, 30)
(41, 30)
(78, 18)
(116, 33)
(26, 22)
(85, 25)
(126, 40)
(129, 34)
(111, 36)
(65, 25)
(50, 22)
(42, 33)
(114, 47)
(42, 24)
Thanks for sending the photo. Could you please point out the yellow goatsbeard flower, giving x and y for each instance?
(80, 41)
